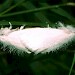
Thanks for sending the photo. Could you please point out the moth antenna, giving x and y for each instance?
(1, 27)
(10, 25)
(22, 27)
(61, 24)
(47, 24)
(68, 28)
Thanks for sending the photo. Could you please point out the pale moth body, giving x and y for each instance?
(39, 40)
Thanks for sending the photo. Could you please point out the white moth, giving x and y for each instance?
(37, 40)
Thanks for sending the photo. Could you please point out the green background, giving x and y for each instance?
(37, 13)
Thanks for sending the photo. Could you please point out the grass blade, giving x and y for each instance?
(73, 62)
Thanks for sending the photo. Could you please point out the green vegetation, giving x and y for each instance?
(37, 13)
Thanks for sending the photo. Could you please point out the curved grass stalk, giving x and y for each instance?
(73, 62)
(34, 10)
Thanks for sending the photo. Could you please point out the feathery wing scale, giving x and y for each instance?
(38, 39)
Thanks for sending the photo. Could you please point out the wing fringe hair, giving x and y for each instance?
(37, 40)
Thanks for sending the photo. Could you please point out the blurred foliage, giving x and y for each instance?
(37, 13)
